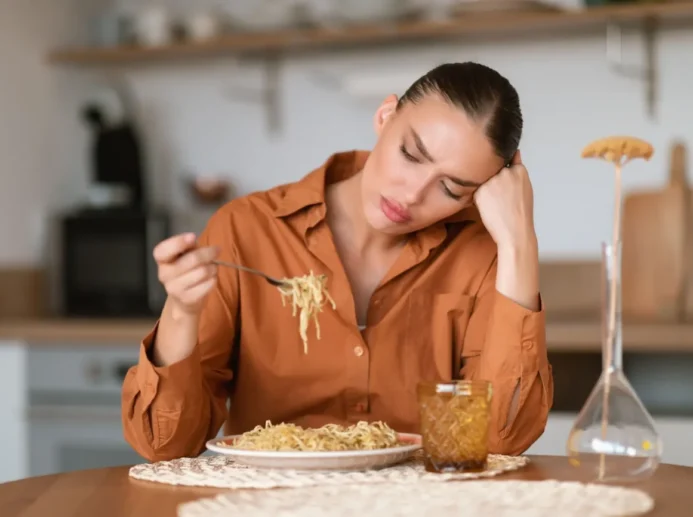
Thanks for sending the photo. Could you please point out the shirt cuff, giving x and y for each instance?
(515, 339)
(168, 386)
(523, 323)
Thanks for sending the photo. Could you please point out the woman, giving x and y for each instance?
(429, 246)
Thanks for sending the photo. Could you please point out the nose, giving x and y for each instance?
(415, 188)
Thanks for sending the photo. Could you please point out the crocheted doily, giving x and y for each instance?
(494, 498)
(221, 472)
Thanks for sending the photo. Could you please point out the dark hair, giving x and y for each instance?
(485, 96)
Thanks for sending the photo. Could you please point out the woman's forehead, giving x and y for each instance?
(452, 140)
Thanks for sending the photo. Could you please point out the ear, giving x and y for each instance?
(384, 112)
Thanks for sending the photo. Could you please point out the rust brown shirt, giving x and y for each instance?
(435, 316)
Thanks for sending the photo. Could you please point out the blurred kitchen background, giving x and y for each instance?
(122, 122)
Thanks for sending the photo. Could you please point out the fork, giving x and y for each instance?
(271, 280)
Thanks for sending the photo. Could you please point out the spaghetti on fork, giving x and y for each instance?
(309, 294)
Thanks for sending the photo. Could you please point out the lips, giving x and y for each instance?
(394, 211)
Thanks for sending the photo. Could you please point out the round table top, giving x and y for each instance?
(111, 492)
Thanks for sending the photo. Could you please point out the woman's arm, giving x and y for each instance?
(508, 323)
(170, 409)
(508, 326)
(518, 273)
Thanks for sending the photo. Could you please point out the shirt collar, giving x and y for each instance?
(310, 190)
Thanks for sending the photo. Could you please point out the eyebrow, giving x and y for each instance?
(422, 149)
(420, 146)
(464, 183)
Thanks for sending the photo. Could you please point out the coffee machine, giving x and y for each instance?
(117, 179)
(107, 266)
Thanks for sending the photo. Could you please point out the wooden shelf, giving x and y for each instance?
(471, 25)
(562, 336)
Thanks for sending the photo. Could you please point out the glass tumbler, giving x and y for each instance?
(454, 425)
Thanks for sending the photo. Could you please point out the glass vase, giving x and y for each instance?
(614, 437)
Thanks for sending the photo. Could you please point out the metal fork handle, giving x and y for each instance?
(271, 280)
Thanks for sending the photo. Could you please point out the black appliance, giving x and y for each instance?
(107, 265)
(116, 161)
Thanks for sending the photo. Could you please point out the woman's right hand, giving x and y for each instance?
(187, 272)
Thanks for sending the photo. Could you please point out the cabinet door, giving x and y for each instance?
(675, 433)
(553, 441)
(13, 431)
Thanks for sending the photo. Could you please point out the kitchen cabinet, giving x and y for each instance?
(73, 407)
(675, 433)
(13, 431)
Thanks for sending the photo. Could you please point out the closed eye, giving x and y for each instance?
(407, 155)
(449, 192)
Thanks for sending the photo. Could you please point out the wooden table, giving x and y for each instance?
(111, 493)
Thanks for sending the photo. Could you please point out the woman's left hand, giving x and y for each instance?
(506, 206)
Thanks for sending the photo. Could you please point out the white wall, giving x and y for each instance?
(569, 95)
(42, 161)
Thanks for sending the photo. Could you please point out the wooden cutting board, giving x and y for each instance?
(688, 263)
(656, 272)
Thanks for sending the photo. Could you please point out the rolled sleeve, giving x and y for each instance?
(515, 338)
(173, 381)
(514, 358)
(170, 412)
(164, 402)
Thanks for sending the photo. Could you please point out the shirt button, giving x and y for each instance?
(358, 351)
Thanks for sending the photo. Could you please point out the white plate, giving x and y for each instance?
(332, 460)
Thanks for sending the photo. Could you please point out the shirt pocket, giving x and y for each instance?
(436, 325)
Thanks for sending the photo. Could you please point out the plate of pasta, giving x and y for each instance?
(362, 446)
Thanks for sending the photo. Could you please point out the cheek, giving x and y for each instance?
(370, 182)
(379, 173)
(438, 206)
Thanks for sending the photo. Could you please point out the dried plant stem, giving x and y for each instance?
(611, 322)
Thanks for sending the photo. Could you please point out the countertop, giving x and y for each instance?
(75, 331)
(562, 335)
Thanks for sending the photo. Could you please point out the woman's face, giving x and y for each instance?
(426, 165)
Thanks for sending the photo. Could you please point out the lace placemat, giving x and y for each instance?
(494, 498)
(221, 472)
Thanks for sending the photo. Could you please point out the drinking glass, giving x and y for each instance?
(454, 425)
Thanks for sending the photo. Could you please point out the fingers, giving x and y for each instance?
(186, 270)
(517, 158)
(190, 282)
(195, 295)
(190, 261)
(169, 250)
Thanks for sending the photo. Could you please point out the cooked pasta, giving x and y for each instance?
(307, 293)
(330, 437)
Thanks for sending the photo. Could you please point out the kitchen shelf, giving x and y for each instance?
(507, 24)
(562, 336)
